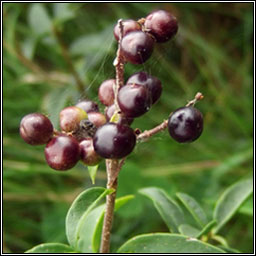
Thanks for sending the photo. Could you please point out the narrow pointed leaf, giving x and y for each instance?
(90, 230)
(166, 243)
(80, 207)
(194, 208)
(230, 201)
(51, 248)
(170, 212)
(92, 172)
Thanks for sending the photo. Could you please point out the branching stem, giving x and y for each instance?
(161, 127)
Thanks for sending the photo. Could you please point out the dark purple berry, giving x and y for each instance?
(88, 106)
(162, 25)
(152, 83)
(137, 47)
(134, 100)
(62, 152)
(128, 26)
(106, 92)
(185, 124)
(87, 152)
(70, 118)
(114, 141)
(36, 129)
(122, 120)
(97, 118)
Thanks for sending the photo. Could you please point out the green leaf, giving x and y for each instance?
(188, 230)
(89, 236)
(51, 248)
(28, 47)
(92, 172)
(194, 208)
(230, 201)
(167, 208)
(88, 44)
(228, 249)
(206, 229)
(166, 243)
(247, 207)
(39, 19)
(80, 208)
(63, 12)
(53, 106)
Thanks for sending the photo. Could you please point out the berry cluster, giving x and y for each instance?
(75, 141)
(139, 37)
(89, 135)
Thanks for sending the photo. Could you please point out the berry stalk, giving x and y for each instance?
(161, 127)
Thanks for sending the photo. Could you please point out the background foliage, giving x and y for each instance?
(51, 50)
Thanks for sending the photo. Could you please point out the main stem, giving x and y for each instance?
(112, 165)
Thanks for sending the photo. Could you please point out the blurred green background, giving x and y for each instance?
(57, 53)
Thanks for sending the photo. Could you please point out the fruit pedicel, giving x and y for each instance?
(89, 135)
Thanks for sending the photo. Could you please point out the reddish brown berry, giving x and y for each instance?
(128, 26)
(106, 92)
(62, 152)
(87, 152)
(70, 118)
(162, 25)
(137, 47)
(88, 106)
(36, 129)
(97, 118)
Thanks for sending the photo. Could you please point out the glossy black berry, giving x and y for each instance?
(185, 124)
(134, 100)
(106, 92)
(70, 118)
(162, 25)
(36, 129)
(122, 119)
(114, 141)
(88, 105)
(152, 83)
(128, 26)
(137, 47)
(87, 152)
(62, 152)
